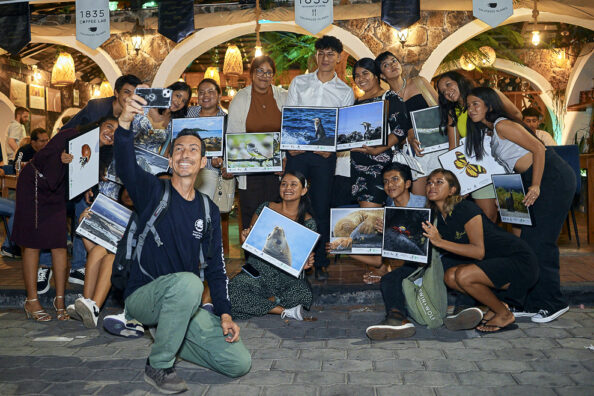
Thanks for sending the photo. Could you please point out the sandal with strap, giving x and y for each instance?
(40, 316)
(62, 314)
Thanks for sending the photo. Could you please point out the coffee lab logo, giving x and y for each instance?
(493, 13)
(92, 22)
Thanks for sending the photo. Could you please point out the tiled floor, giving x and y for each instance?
(577, 265)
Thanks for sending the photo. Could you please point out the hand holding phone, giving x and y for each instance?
(155, 97)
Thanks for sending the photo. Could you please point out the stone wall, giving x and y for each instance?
(546, 62)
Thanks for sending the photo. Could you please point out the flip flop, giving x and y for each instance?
(370, 278)
(499, 329)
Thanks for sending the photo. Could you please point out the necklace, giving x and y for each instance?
(402, 87)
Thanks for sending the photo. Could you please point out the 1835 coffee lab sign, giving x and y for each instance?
(314, 15)
(92, 22)
(492, 12)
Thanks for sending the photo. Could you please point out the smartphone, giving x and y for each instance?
(251, 271)
(155, 97)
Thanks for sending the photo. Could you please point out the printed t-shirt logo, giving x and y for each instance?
(198, 227)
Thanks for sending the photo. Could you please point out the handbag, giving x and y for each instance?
(224, 195)
(425, 293)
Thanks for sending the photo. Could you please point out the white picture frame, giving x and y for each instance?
(253, 152)
(83, 171)
(309, 128)
(403, 234)
(426, 127)
(352, 231)
(509, 194)
(150, 161)
(210, 129)
(361, 125)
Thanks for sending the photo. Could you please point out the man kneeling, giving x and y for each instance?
(164, 288)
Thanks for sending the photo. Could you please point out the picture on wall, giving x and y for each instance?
(18, 93)
(83, 171)
(38, 121)
(75, 97)
(210, 130)
(426, 127)
(54, 100)
(509, 191)
(471, 173)
(281, 241)
(403, 234)
(36, 97)
(353, 231)
(309, 128)
(149, 161)
(253, 152)
(106, 223)
(361, 125)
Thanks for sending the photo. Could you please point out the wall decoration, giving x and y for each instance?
(83, 171)
(18, 93)
(38, 121)
(36, 97)
(75, 97)
(54, 100)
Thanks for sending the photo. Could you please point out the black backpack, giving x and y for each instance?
(129, 248)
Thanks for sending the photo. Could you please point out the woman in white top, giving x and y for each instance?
(550, 184)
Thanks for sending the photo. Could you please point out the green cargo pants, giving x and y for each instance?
(172, 303)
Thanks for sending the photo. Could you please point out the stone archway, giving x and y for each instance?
(99, 56)
(183, 54)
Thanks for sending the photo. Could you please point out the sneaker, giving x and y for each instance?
(77, 276)
(43, 279)
(293, 313)
(11, 252)
(71, 309)
(165, 380)
(391, 328)
(89, 312)
(118, 325)
(545, 316)
(518, 313)
(463, 319)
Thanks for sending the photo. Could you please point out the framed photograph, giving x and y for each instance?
(106, 223)
(210, 130)
(83, 171)
(426, 126)
(352, 231)
(471, 173)
(309, 128)
(509, 191)
(54, 100)
(75, 97)
(281, 241)
(253, 152)
(36, 97)
(38, 121)
(361, 125)
(403, 234)
(18, 93)
(151, 162)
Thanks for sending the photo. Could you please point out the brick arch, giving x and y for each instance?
(200, 42)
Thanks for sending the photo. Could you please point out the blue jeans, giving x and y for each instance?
(79, 253)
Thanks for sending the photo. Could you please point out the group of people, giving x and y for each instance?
(178, 284)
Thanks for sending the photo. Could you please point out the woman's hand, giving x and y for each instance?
(324, 154)
(293, 153)
(531, 196)
(244, 234)
(89, 196)
(432, 233)
(216, 162)
(310, 262)
(85, 214)
(226, 175)
(379, 225)
(66, 158)
(370, 150)
(415, 144)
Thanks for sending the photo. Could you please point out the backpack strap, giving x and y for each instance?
(208, 233)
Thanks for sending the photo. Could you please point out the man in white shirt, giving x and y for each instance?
(16, 132)
(531, 117)
(323, 89)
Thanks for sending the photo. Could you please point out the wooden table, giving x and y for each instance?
(587, 162)
(8, 181)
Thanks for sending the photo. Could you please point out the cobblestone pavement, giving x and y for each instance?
(330, 356)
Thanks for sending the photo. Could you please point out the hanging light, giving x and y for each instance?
(97, 92)
(233, 61)
(487, 56)
(466, 63)
(137, 35)
(535, 38)
(258, 47)
(63, 72)
(535, 33)
(402, 35)
(213, 73)
(105, 89)
(258, 51)
(231, 92)
(36, 73)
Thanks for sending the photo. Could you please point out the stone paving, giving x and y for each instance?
(330, 356)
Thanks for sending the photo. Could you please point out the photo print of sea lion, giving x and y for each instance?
(403, 234)
(253, 152)
(309, 128)
(426, 126)
(360, 125)
(83, 171)
(149, 161)
(210, 130)
(352, 231)
(281, 241)
(509, 191)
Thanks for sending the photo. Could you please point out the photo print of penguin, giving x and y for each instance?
(353, 231)
(403, 234)
(210, 130)
(281, 241)
(309, 128)
(253, 152)
(83, 171)
(361, 125)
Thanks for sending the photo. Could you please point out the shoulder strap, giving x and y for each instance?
(207, 232)
(424, 91)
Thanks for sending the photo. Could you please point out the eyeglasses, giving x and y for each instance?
(327, 54)
(392, 62)
(264, 73)
(208, 92)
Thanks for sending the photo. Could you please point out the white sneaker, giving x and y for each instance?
(77, 276)
(521, 314)
(544, 316)
(293, 313)
(43, 279)
(88, 311)
(118, 325)
(71, 309)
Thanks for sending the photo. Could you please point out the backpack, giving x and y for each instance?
(129, 248)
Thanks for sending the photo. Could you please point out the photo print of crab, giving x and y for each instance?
(83, 171)
(403, 234)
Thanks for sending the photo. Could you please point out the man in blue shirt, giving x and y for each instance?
(164, 288)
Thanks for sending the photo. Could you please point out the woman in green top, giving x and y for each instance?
(453, 88)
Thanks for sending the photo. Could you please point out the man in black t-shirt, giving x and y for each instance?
(39, 139)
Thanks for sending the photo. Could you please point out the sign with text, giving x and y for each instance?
(92, 22)
(314, 15)
(492, 12)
